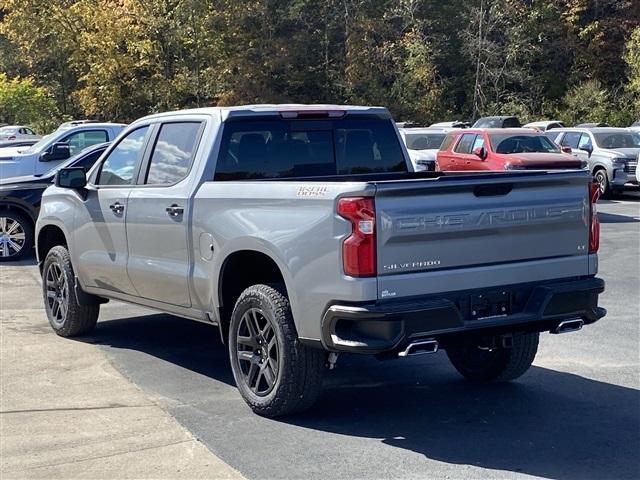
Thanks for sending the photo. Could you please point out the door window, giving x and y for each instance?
(571, 139)
(173, 153)
(585, 142)
(465, 143)
(120, 165)
(80, 140)
(478, 142)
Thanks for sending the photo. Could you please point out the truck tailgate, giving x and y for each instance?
(455, 232)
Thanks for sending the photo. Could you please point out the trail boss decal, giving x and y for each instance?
(311, 191)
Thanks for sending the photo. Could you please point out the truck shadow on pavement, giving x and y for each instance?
(550, 423)
(191, 345)
(616, 218)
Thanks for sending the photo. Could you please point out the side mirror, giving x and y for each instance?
(566, 149)
(586, 149)
(480, 152)
(57, 151)
(72, 177)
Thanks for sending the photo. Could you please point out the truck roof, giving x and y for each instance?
(267, 109)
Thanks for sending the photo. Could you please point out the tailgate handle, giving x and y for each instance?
(492, 190)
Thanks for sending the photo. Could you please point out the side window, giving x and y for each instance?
(448, 140)
(553, 136)
(465, 143)
(120, 165)
(29, 131)
(23, 131)
(585, 142)
(571, 139)
(173, 153)
(80, 140)
(478, 142)
(87, 161)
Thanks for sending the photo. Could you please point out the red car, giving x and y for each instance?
(502, 149)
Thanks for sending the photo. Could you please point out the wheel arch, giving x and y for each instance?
(8, 204)
(48, 237)
(233, 279)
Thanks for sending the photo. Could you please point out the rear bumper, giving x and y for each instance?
(388, 326)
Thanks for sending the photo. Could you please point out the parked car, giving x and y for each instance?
(301, 232)
(454, 124)
(502, 149)
(592, 125)
(55, 148)
(545, 125)
(17, 132)
(497, 122)
(20, 203)
(612, 154)
(17, 143)
(422, 145)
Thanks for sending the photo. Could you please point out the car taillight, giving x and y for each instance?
(594, 225)
(359, 248)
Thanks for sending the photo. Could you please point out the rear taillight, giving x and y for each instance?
(359, 248)
(594, 224)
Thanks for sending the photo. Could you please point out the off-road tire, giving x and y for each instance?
(77, 319)
(27, 227)
(300, 368)
(498, 365)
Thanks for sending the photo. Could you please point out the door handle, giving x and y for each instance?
(175, 210)
(116, 207)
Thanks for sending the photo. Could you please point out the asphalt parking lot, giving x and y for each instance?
(575, 415)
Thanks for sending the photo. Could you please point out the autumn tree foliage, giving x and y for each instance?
(426, 60)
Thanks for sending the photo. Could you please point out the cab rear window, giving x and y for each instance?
(283, 148)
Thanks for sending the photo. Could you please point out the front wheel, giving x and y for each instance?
(274, 372)
(67, 317)
(499, 364)
(16, 236)
(600, 177)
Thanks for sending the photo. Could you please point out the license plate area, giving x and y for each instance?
(490, 304)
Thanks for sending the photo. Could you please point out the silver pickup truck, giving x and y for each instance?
(302, 232)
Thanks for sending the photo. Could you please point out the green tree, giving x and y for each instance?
(22, 102)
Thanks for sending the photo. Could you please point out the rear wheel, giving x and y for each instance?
(67, 317)
(16, 236)
(499, 364)
(274, 372)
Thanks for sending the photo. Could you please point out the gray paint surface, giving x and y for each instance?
(537, 230)
(574, 415)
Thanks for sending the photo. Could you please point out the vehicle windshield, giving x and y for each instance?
(519, 143)
(497, 122)
(618, 140)
(424, 141)
(36, 146)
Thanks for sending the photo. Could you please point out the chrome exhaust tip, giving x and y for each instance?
(568, 326)
(420, 347)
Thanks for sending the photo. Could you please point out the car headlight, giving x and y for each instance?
(619, 162)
